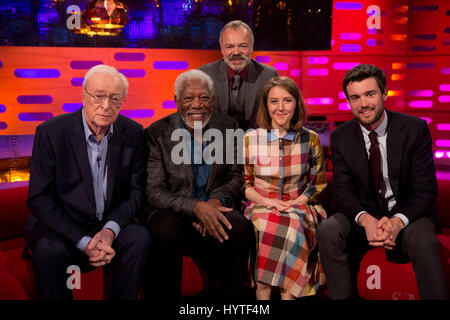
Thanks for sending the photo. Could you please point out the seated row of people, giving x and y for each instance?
(251, 200)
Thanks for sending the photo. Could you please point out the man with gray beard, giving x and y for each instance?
(194, 207)
(238, 79)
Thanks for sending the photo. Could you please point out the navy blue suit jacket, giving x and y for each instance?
(61, 196)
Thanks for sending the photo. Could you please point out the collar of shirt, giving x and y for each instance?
(231, 73)
(272, 135)
(380, 130)
(88, 132)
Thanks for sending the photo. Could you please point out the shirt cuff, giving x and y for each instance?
(114, 226)
(224, 202)
(402, 217)
(357, 217)
(82, 244)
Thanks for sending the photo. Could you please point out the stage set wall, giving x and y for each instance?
(412, 46)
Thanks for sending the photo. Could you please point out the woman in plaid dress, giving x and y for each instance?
(284, 173)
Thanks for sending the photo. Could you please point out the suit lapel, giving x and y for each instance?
(115, 146)
(175, 124)
(79, 149)
(394, 148)
(222, 89)
(250, 95)
(361, 158)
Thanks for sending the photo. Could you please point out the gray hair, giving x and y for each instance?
(103, 68)
(190, 75)
(236, 24)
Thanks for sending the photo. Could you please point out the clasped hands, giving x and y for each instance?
(381, 232)
(282, 205)
(99, 249)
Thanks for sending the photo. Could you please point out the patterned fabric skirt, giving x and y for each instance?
(287, 251)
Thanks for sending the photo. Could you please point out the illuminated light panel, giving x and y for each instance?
(399, 37)
(444, 87)
(439, 154)
(395, 93)
(281, 66)
(401, 8)
(427, 119)
(295, 72)
(398, 65)
(374, 42)
(37, 99)
(430, 36)
(77, 82)
(263, 59)
(170, 65)
(2, 108)
(35, 116)
(317, 72)
(445, 70)
(440, 175)
(133, 73)
(444, 99)
(446, 30)
(319, 101)
(344, 106)
(398, 76)
(81, 64)
(37, 73)
(423, 48)
(442, 143)
(420, 65)
(129, 56)
(318, 60)
(341, 95)
(348, 5)
(3, 125)
(350, 36)
(1, 64)
(71, 107)
(443, 126)
(169, 104)
(421, 93)
(420, 104)
(401, 20)
(344, 65)
(350, 48)
(139, 113)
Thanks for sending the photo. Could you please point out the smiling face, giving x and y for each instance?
(102, 114)
(195, 103)
(236, 48)
(367, 102)
(281, 106)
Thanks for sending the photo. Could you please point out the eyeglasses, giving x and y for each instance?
(114, 99)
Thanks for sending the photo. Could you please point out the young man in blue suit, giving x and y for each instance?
(385, 189)
(87, 183)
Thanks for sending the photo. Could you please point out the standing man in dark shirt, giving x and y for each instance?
(238, 79)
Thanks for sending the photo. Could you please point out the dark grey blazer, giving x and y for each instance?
(257, 76)
(410, 164)
(170, 185)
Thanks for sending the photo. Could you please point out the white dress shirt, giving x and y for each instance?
(386, 190)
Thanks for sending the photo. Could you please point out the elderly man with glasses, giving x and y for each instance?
(87, 184)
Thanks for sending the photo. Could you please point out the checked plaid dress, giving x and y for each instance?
(284, 168)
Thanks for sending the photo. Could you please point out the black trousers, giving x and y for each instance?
(52, 254)
(343, 244)
(226, 264)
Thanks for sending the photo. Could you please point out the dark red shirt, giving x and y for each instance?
(231, 73)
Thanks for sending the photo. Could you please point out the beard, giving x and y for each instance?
(368, 122)
(245, 61)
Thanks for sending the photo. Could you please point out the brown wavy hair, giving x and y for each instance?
(263, 119)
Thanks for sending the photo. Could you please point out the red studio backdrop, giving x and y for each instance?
(409, 40)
